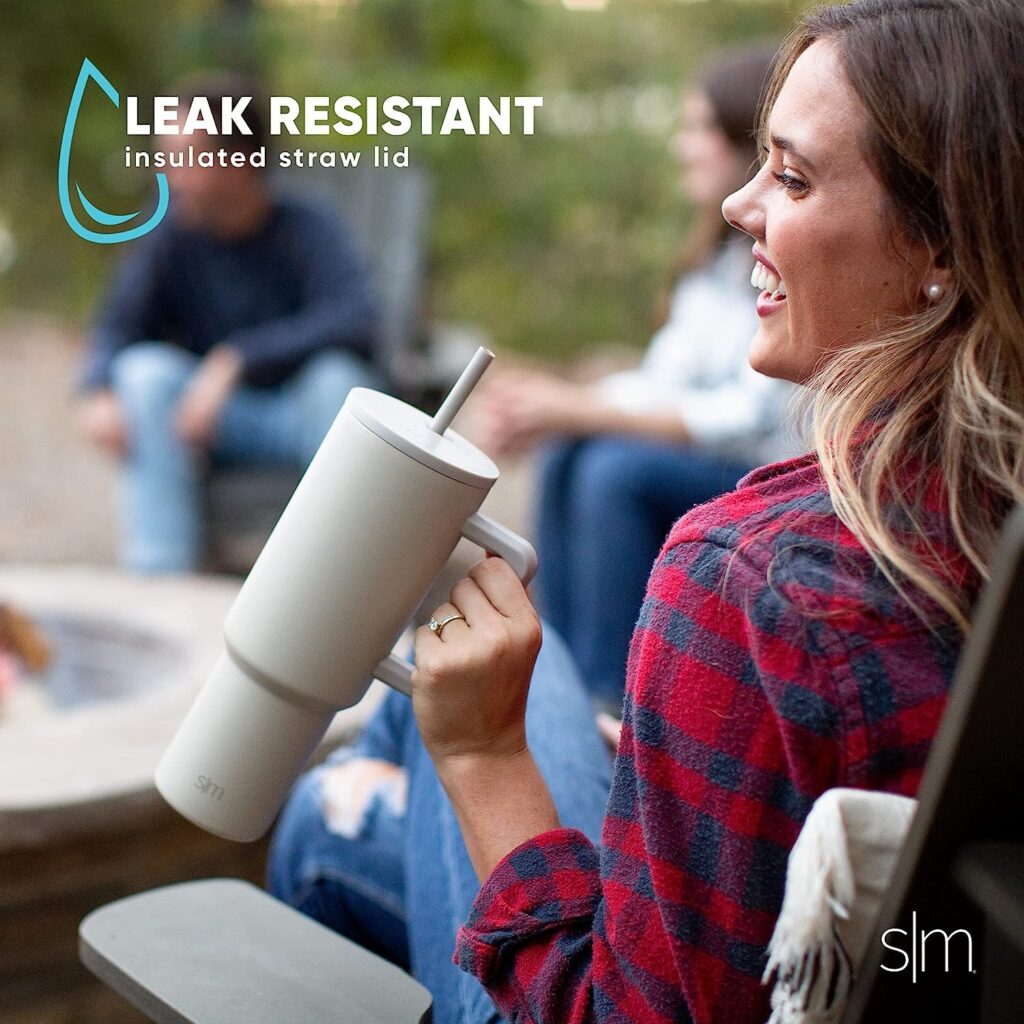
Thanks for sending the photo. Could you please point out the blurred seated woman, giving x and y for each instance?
(623, 459)
(799, 633)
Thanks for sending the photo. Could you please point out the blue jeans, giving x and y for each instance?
(161, 501)
(605, 507)
(403, 885)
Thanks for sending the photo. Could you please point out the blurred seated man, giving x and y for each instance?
(232, 334)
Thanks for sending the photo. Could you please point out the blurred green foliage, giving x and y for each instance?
(551, 242)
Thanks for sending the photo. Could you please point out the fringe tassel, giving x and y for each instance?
(806, 956)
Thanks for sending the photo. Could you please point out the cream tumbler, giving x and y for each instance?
(373, 521)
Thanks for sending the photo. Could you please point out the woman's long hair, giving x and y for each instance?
(940, 392)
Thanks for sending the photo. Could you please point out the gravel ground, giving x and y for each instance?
(56, 496)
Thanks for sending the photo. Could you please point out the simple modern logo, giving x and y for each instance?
(94, 213)
(208, 787)
(911, 946)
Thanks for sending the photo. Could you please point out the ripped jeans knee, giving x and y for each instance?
(354, 790)
(337, 854)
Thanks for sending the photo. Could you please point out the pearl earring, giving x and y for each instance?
(935, 292)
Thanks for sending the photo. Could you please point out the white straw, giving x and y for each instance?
(460, 392)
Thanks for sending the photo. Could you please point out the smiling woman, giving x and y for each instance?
(907, 322)
(845, 274)
(799, 633)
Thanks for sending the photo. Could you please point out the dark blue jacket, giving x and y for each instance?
(294, 288)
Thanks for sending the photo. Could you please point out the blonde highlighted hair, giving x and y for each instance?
(941, 392)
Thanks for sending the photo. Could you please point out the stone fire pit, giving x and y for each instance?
(80, 820)
(89, 762)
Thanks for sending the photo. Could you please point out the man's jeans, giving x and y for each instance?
(161, 501)
(401, 882)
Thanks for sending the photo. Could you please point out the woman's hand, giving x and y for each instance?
(610, 729)
(469, 692)
(470, 684)
(519, 408)
(101, 420)
(209, 389)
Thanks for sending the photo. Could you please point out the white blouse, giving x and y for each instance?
(697, 364)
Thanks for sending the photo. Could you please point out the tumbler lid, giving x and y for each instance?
(408, 429)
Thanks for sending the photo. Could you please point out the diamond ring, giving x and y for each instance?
(438, 627)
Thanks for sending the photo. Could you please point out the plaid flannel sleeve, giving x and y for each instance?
(528, 937)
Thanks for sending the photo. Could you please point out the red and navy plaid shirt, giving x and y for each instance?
(771, 662)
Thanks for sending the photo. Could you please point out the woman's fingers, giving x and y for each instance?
(503, 588)
(469, 601)
(496, 619)
(495, 615)
(470, 685)
(610, 729)
(473, 602)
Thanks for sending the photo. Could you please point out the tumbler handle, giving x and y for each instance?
(493, 537)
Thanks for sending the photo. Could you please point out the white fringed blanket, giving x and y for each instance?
(837, 876)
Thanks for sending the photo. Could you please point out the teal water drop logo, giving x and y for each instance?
(90, 71)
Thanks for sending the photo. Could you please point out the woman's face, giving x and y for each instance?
(712, 166)
(835, 275)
